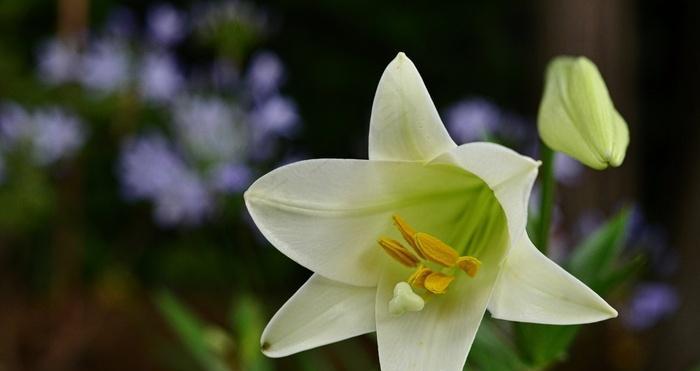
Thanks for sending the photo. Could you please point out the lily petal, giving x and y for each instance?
(327, 214)
(438, 337)
(321, 312)
(405, 125)
(509, 174)
(532, 288)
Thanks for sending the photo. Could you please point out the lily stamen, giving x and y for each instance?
(469, 264)
(418, 277)
(430, 250)
(437, 282)
(398, 252)
(435, 250)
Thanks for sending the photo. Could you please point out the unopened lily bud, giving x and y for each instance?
(577, 116)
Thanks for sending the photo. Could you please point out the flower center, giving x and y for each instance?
(436, 265)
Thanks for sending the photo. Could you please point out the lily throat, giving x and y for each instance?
(436, 264)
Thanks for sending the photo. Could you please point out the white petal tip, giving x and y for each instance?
(265, 347)
(269, 351)
(401, 56)
(612, 313)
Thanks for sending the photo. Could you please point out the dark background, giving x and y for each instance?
(335, 52)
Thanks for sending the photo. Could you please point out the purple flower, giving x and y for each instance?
(231, 178)
(472, 119)
(56, 134)
(209, 129)
(149, 168)
(50, 133)
(105, 67)
(567, 170)
(15, 125)
(265, 74)
(57, 62)
(650, 303)
(166, 25)
(276, 116)
(159, 78)
(186, 202)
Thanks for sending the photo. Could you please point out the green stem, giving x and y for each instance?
(547, 188)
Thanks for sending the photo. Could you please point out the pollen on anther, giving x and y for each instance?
(394, 249)
(469, 264)
(407, 232)
(435, 250)
(437, 282)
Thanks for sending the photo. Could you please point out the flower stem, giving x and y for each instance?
(547, 188)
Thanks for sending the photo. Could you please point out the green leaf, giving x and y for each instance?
(542, 345)
(595, 262)
(190, 330)
(248, 324)
(492, 352)
(594, 259)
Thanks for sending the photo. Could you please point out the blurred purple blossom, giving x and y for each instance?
(149, 168)
(232, 178)
(273, 118)
(276, 116)
(566, 169)
(472, 119)
(209, 129)
(51, 133)
(159, 77)
(186, 202)
(56, 134)
(106, 66)
(15, 125)
(166, 25)
(57, 61)
(265, 74)
(650, 303)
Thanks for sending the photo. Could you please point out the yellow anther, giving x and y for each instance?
(407, 232)
(437, 282)
(398, 252)
(435, 250)
(418, 277)
(469, 264)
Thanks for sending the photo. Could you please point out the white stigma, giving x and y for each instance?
(405, 300)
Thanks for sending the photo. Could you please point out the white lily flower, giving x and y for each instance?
(462, 213)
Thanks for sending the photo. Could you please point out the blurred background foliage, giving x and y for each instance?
(128, 131)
